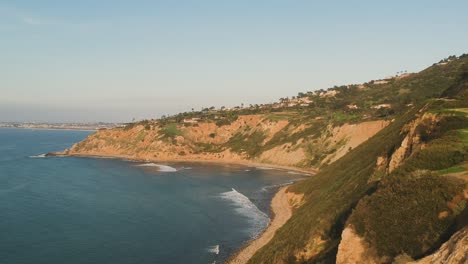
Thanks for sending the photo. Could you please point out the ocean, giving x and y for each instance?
(92, 210)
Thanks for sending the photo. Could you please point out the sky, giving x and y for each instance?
(111, 60)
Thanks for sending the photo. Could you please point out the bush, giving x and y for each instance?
(403, 216)
(250, 144)
(226, 120)
(171, 131)
(439, 154)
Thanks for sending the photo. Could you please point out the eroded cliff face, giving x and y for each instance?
(253, 138)
(353, 249)
(411, 143)
(142, 143)
(349, 136)
(454, 251)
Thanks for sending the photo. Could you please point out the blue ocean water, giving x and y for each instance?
(84, 210)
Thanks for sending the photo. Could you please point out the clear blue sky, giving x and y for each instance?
(110, 60)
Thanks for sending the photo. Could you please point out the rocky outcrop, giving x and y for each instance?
(412, 142)
(454, 251)
(355, 250)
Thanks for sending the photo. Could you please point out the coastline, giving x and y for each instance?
(280, 204)
(51, 128)
(282, 211)
(308, 172)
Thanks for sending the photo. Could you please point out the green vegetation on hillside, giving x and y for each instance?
(409, 215)
(247, 143)
(330, 195)
(418, 206)
(410, 210)
(414, 209)
(171, 131)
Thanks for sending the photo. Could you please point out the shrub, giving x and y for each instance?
(171, 131)
(250, 144)
(403, 216)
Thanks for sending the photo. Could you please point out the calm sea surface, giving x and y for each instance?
(83, 210)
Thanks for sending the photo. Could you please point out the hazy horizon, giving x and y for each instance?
(115, 60)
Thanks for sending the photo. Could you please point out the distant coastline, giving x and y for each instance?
(60, 126)
(41, 128)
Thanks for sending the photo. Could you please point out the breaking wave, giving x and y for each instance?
(264, 168)
(298, 173)
(38, 156)
(266, 188)
(213, 249)
(163, 168)
(257, 219)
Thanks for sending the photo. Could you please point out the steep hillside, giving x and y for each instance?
(310, 135)
(392, 156)
(396, 181)
(254, 138)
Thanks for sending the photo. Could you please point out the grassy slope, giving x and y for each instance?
(332, 193)
(432, 204)
(322, 112)
(329, 197)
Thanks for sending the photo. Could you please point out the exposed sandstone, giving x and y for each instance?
(353, 249)
(209, 142)
(454, 251)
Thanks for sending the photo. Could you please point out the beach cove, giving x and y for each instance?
(86, 208)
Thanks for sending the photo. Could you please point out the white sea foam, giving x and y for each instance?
(213, 249)
(163, 168)
(266, 188)
(38, 156)
(257, 219)
(264, 168)
(298, 173)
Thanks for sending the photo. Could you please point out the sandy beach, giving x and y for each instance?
(307, 172)
(282, 211)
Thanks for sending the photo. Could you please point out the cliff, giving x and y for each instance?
(401, 190)
(250, 138)
(392, 161)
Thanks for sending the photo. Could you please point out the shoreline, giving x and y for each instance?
(280, 205)
(308, 172)
(281, 213)
(43, 128)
